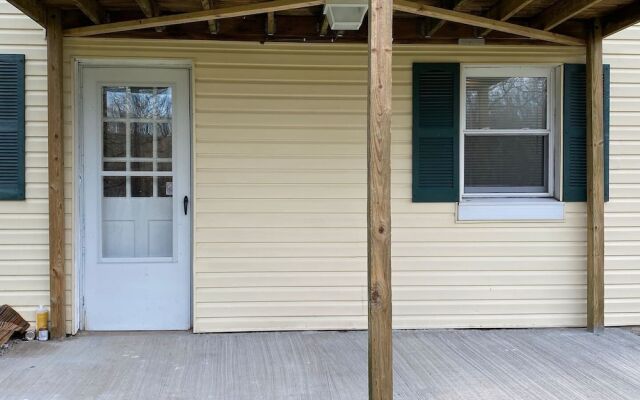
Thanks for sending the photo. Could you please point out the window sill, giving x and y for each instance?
(511, 209)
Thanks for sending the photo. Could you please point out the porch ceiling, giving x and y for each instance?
(426, 21)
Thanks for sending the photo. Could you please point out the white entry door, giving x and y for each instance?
(137, 185)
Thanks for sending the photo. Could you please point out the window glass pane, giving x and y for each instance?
(114, 102)
(141, 140)
(506, 103)
(163, 103)
(165, 186)
(114, 166)
(502, 164)
(114, 139)
(114, 186)
(164, 140)
(142, 102)
(164, 166)
(141, 166)
(141, 186)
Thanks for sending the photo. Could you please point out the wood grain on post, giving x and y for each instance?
(379, 199)
(56, 173)
(595, 181)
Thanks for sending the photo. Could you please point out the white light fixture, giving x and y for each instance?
(345, 15)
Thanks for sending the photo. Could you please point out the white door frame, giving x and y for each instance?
(78, 233)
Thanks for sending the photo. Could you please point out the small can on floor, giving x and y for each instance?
(43, 335)
(30, 335)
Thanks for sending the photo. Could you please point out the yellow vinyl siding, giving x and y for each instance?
(280, 187)
(622, 218)
(24, 254)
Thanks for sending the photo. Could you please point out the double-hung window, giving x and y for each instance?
(507, 132)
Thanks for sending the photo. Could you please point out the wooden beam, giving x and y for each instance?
(33, 9)
(505, 9)
(379, 199)
(271, 24)
(56, 172)
(595, 181)
(197, 16)
(92, 9)
(214, 26)
(560, 12)
(439, 24)
(621, 19)
(483, 22)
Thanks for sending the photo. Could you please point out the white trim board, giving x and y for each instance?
(511, 209)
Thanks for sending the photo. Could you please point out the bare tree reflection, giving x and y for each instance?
(506, 103)
(142, 106)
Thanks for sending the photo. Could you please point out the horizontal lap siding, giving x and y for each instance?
(622, 218)
(280, 185)
(24, 267)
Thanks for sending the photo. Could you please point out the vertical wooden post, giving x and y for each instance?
(379, 199)
(56, 173)
(595, 180)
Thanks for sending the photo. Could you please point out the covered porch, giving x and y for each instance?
(501, 364)
(549, 364)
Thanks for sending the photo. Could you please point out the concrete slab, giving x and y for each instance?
(440, 364)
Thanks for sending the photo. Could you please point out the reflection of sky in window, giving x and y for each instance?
(506, 103)
(138, 102)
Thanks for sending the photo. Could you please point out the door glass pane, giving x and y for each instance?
(141, 140)
(114, 139)
(114, 102)
(164, 140)
(137, 172)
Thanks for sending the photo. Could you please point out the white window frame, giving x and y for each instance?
(545, 71)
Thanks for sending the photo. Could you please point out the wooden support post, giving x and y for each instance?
(595, 181)
(379, 199)
(56, 172)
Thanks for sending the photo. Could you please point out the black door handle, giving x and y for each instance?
(185, 203)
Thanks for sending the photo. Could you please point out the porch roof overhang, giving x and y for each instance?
(510, 22)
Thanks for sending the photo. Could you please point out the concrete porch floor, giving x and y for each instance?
(440, 364)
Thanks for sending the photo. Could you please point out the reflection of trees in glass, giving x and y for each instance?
(114, 102)
(137, 102)
(147, 110)
(506, 103)
(163, 133)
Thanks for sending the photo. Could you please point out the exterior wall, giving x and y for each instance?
(622, 218)
(24, 267)
(280, 186)
(280, 181)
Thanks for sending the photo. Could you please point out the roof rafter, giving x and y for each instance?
(505, 9)
(483, 22)
(149, 8)
(324, 26)
(33, 9)
(92, 10)
(438, 25)
(617, 21)
(271, 24)
(197, 16)
(214, 26)
(561, 11)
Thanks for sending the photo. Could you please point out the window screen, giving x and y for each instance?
(505, 164)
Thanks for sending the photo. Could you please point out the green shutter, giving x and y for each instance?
(436, 105)
(575, 132)
(11, 127)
